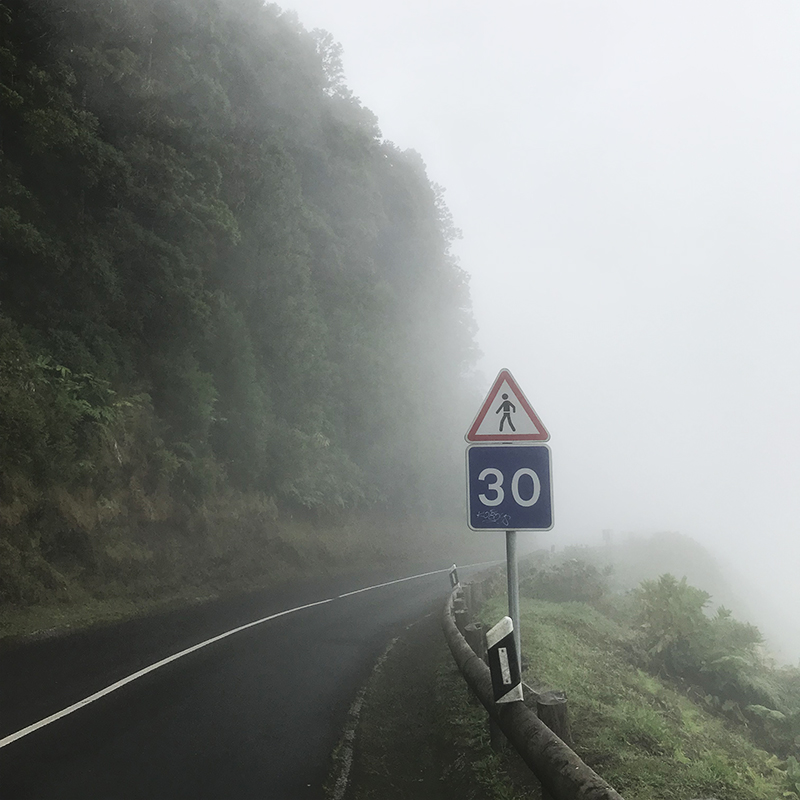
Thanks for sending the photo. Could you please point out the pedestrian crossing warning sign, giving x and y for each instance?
(506, 415)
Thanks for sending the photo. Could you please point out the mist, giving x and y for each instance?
(626, 180)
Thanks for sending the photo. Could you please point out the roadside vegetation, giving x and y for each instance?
(668, 697)
(220, 287)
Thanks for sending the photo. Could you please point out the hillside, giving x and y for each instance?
(232, 331)
(668, 700)
(669, 695)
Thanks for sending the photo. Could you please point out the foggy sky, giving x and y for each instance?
(627, 179)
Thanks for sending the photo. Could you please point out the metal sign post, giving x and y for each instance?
(513, 589)
(509, 484)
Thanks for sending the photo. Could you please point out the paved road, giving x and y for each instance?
(253, 715)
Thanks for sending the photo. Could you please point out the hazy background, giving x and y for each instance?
(626, 179)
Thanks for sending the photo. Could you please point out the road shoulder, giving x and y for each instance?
(413, 731)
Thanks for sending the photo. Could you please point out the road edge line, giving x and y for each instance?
(13, 737)
(35, 726)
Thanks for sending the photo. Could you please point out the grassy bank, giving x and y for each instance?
(643, 735)
(223, 553)
(652, 738)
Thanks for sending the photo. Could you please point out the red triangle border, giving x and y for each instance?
(473, 436)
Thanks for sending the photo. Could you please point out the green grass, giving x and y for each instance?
(647, 739)
(43, 620)
(470, 766)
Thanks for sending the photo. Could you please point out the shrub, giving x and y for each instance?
(720, 655)
(671, 624)
(572, 580)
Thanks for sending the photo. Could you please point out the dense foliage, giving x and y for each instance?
(645, 735)
(720, 658)
(670, 632)
(565, 581)
(216, 279)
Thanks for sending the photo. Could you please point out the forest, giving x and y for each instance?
(230, 314)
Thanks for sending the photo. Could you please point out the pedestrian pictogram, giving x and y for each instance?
(508, 408)
(506, 415)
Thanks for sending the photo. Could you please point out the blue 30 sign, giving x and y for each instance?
(509, 487)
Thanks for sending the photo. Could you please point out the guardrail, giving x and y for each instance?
(560, 771)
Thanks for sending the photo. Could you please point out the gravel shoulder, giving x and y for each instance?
(415, 733)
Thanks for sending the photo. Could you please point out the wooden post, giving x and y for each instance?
(474, 599)
(460, 613)
(541, 703)
(466, 588)
(475, 635)
(477, 595)
(462, 620)
(551, 708)
(476, 639)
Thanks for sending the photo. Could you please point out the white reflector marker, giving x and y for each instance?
(454, 582)
(505, 671)
(503, 662)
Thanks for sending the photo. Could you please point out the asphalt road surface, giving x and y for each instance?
(254, 714)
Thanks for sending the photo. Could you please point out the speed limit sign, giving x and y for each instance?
(509, 487)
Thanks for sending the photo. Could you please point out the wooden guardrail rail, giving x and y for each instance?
(560, 770)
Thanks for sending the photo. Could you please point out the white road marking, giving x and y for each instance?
(12, 737)
(345, 754)
(411, 578)
(142, 672)
(390, 583)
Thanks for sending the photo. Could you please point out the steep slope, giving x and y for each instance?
(225, 300)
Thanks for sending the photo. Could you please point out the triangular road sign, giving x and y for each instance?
(506, 415)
